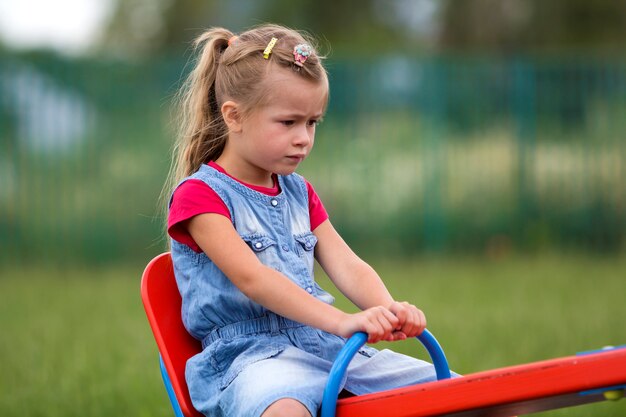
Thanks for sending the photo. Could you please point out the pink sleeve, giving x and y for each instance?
(317, 212)
(191, 198)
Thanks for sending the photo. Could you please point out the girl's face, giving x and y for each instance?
(279, 134)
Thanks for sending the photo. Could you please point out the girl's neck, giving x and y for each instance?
(246, 175)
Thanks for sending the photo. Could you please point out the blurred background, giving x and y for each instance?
(473, 151)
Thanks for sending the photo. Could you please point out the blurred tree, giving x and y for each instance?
(144, 27)
(349, 26)
(136, 28)
(339, 21)
(532, 25)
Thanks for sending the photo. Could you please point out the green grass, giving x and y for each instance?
(76, 342)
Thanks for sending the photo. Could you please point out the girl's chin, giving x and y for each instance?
(285, 171)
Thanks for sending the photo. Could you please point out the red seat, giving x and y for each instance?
(162, 303)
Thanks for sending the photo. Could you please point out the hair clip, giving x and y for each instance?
(268, 49)
(232, 39)
(301, 52)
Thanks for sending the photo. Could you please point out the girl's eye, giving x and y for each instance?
(287, 122)
(313, 122)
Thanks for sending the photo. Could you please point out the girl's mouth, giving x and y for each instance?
(296, 158)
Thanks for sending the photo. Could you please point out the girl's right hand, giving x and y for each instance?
(378, 322)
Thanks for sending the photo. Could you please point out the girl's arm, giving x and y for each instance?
(360, 283)
(219, 240)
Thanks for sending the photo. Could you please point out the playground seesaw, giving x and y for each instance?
(580, 379)
(516, 390)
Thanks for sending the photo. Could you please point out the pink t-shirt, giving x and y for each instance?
(195, 197)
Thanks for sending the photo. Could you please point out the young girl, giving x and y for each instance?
(246, 229)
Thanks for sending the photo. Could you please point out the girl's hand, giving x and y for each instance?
(378, 322)
(411, 320)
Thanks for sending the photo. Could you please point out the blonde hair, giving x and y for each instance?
(225, 72)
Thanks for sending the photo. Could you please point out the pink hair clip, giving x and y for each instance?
(301, 52)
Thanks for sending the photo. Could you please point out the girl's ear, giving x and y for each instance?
(232, 116)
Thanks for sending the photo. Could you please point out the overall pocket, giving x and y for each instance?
(307, 242)
(264, 247)
(368, 351)
(306, 249)
(230, 357)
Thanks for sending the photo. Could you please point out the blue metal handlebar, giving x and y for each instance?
(338, 370)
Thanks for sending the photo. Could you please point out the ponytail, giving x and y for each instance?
(201, 128)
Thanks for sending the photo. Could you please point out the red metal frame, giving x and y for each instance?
(507, 391)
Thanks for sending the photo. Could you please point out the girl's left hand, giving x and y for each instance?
(412, 319)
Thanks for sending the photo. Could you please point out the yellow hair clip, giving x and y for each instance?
(268, 49)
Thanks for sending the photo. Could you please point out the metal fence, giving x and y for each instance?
(416, 154)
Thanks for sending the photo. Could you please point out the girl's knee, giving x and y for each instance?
(286, 407)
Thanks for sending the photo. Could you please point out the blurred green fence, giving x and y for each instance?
(419, 154)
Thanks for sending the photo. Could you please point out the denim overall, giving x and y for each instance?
(252, 357)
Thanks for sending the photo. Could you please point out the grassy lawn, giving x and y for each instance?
(76, 342)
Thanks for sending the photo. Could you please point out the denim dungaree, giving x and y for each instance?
(252, 357)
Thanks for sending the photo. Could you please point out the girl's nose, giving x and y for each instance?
(303, 137)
